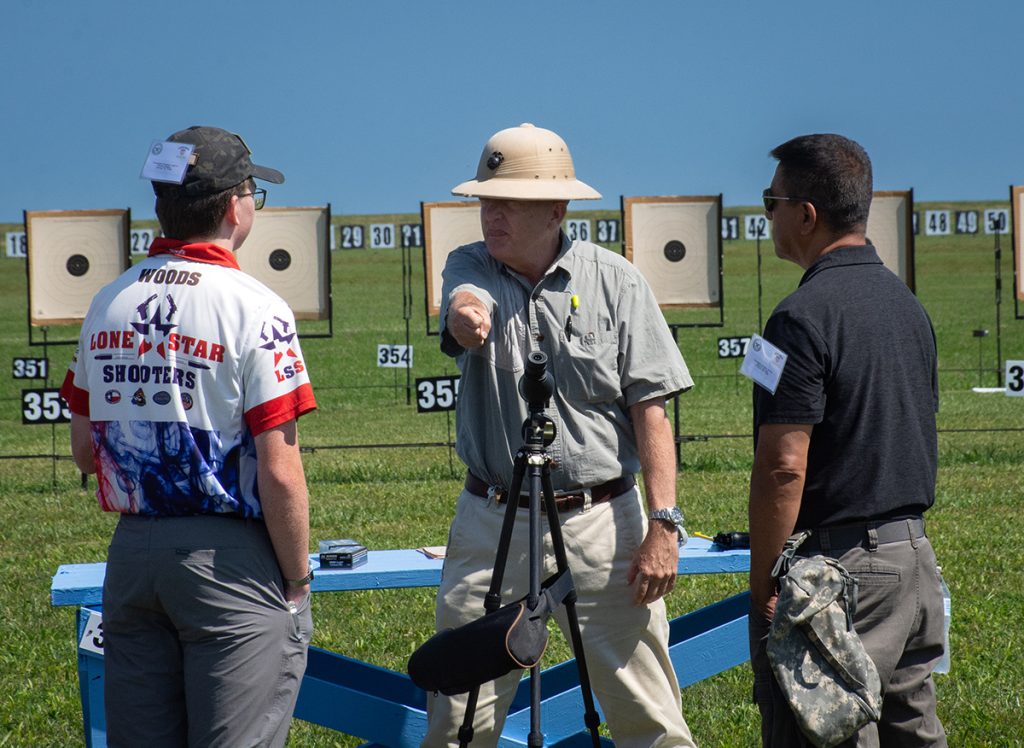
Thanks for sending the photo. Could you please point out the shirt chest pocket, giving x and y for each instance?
(590, 371)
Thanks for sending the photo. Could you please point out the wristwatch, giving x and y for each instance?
(301, 582)
(673, 515)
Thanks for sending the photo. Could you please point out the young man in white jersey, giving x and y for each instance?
(185, 392)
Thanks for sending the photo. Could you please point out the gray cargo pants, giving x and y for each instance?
(200, 646)
(900, 620)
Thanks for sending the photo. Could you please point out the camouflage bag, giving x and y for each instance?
(820, 663)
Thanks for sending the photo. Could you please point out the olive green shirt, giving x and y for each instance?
(609, 351)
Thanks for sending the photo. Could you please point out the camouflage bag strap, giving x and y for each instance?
(782, 563)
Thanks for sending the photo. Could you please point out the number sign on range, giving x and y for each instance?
(30, 368)
(1015, 378)
(43, 405)
(436, 394)
(733, 347)
(394, 356)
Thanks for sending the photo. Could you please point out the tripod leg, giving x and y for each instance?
(536, 738)
(492, 601)
(466, 731)
(590, 716)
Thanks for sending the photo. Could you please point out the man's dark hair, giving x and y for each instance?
(833, 173)
(192, 217)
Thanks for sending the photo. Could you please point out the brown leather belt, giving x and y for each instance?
(566, 501)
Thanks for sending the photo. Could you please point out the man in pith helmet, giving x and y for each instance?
(527, 287)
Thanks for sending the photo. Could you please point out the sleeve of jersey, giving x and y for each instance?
(277, 387)
(76, 397)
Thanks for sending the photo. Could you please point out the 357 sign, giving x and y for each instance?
(43, 405)
(733, 347)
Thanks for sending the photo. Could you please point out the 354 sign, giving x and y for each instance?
(394, 356)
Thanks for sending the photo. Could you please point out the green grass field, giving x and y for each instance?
(404, 497)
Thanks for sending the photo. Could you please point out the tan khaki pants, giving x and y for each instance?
(626, 646)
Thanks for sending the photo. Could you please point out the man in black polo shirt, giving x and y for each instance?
(846, 445)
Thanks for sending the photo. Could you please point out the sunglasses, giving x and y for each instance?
(769, 200)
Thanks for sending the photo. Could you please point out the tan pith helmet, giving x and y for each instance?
(526, 163)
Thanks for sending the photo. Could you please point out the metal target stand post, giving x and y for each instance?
(407, 311)
(536, 388)
(999, 305)
(675, 328)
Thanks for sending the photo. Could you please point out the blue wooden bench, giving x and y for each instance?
(384, 707)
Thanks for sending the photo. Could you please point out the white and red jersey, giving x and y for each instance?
(182, 362)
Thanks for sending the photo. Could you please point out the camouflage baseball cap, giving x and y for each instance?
(221, 159)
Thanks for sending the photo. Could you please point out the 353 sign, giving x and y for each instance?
(43, 405)
(436, 394)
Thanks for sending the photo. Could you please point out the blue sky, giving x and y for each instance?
(375, 106)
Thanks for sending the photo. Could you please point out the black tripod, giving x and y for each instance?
(538, 432)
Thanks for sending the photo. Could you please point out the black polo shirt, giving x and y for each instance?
(861, 368)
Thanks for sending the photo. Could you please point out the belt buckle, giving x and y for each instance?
(588, 500)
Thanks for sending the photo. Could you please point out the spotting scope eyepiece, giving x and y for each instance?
(536, 386)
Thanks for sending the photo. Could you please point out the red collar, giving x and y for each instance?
(198, 252)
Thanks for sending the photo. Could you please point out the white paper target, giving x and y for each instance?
(288, 249)
(72, 254)
(675, 242)
(446, 227)
(890, 229)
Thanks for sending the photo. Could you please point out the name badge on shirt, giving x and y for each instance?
(763, 363)
(167, 161)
